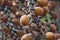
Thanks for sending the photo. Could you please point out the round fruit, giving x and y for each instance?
(53, 28)
(49, 6)
(42, 2)
(8, 3)
(16, 22)
(20, 33)
(38, 11)
(26, 37)
(24, 20)
(52, 3)
(54, 15)
(4, 18)
(18, 14)
(46, 9)
(35, 34)
(13, 9)
(49, 36)
(35, 27)
(5, 29)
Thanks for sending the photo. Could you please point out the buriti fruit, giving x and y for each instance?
(24, 20)
(38, 11)
(13, 9)
(20, 33)
(49, 36)
(42, 3)
(18, 14)
(26, 37)
(8, 3)
(52, 3)
(54, 15)
(35, 34)
(5, 29)
(35, 27)
(4, 18)
(16, 22)
(46, 9)
(52, 28)
(49, 6)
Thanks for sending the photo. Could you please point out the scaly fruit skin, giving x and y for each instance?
(35, 34)
(8, 3)
(50, 36)
(46, 9)
(54, 15)
(52, 4)
(16, 22)
(18, 14)
(49, 6)
(4, 18)
(13, 9)
(20, 33)
(38, 11)
(52, 28)
(26, 37)
(6, 30)
(24, 20)
(42, 3)
(35, 27)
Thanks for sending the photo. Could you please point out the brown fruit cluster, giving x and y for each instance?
(23, 21)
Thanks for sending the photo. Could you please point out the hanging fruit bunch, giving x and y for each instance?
(28, 20)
